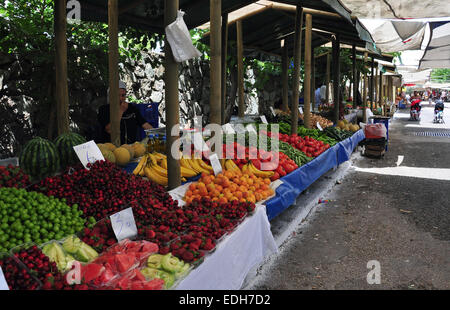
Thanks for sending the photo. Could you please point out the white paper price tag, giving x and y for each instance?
(228, 129)
(319, 127)
(88, 153)
(273, 111)
(199, 143)
(264, 119)
(3, 285)
(250, 128)
(215, 163)
(123, 224)
(300, 109)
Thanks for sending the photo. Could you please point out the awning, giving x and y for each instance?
(437, 53)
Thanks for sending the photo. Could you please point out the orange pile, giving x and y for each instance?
(229, 186)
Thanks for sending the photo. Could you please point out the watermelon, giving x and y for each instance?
(39, 158)
(155, 284)
(65, 143)
(91, 272)
(125, 261)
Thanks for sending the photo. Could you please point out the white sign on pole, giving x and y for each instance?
(123, 224)
(215, 163)
(273, 111)
(300, 109)
(3, 285)
(251, 129)
(319, 127)
(264, 119)
(88, 153)
(228, 129)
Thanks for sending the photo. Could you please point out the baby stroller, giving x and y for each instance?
(415, 110)
(439, 112)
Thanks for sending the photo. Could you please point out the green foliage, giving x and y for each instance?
(440, 75)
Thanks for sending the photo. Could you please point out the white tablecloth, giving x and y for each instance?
(227, 267)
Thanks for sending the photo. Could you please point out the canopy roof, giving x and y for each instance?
(149, 14)
(437, 53)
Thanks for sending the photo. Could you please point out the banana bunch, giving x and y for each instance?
(249, 167)
(193, 166)
(231, 166)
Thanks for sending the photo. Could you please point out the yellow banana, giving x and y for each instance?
(159, 156)
(194, 163)
(205, 165)
(188, 173)
(164, 163)
(231, 166)
(153, 159)
(155, 177)
(245, 169)
(186, 164)
(160, 170)
(183, 179)
(260, 173)
(141, 165)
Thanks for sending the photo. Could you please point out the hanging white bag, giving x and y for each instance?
(180, 41)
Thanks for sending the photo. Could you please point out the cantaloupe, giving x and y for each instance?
(130, 149)
(110, 146)
(109, 156)
(122, 156)
(139, 149)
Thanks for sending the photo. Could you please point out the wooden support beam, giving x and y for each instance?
(355, 76)
(224, 65)
(372, 79)
(171, 99)
(113, 30)
(285, 77)
(240, 65)
(336, 77)
(296, 74)
(62, 90)
(365, 90)
(380, 99)
(328, 78)
(308, 72)
(313, 79)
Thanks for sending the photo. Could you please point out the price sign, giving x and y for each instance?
(273, 111)
(228, 129)
(264, 119)
(300, 109)
(215, 163)
(123, 224)
(250, 128)
(319, 127)
(3, 285)
(88, 153)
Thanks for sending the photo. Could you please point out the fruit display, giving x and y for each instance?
(315, 118)
(105, 189)
(11, 176)
(135, 280)
(34, 217)
(55, 252)
(338, 134)
(64, 144)
(122, 156)
(230, 185)
(100, 236)
(345, 125)
(296, 155)
(39, 158)
(16, 275)
(309, 146)
(81, 251)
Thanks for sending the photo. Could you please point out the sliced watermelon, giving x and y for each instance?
(149, 247)
(106, 276)
(138, 276)
(155, 284)
(137, 286)
(124, 262)
(123, 283)
(91, 272)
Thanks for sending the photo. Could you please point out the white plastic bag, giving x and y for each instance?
(180, 41)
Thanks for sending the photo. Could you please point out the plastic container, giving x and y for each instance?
(34, 282)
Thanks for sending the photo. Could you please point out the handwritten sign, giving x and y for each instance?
(215, 163)
(273, 111)
(264, 119)
(88, 153)
(123, 224)
(3, 285)
(319, 127)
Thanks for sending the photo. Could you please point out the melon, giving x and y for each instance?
(110, 146)
(108, 155)
(65, 143)
(139, 149)
(122, 155)
(39, 158)
(341, 124)
(130, 149)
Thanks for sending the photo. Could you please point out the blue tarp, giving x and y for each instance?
(300, 179)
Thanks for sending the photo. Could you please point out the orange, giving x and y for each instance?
(243, 200)
(226, 183)
(238, 195)
(228, 196)
(203, 192)
(245, 194)
(189, 193)
(252, 189)
(210, 187)
(205, 174)
(215, 193)
(233, 187)
(242, 188)
(215, 199)
(219, 188)
(196, 192)
(267, 181)
(250, 181)
(192, 187)
(207, 180)
(228, 174)
(258, 196)
(223, 200)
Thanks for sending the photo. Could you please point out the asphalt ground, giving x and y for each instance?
(394, 210)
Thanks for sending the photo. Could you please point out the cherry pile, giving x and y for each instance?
(11, 176)
(16, 276)
(105, 189)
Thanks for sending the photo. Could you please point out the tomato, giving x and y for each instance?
(275, 176)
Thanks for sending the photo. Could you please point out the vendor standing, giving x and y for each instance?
(130, 119)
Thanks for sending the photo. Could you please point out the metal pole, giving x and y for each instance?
(336, 77)
(113, 29)
(296, 74)
(62, 92)
(171, 99)
(224, 65)
(308, 63)
(240, 63)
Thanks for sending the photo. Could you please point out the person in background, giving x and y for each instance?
(130, 119)
(320, 94)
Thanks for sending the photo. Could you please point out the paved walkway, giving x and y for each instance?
(393, 210)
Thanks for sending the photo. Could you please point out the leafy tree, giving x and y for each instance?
(440, 75)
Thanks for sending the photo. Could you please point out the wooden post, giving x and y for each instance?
(171, 99)
(313, 79)
(224, 65)
(113, 30)
(328, 78)
(372, 80)
(380, 100)
(376, 88)
(285, 77)
(307, 79)
(336, 77)
(365, 89)
(240, 63)
(62, 91)
(296, 74)
(355, 77)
